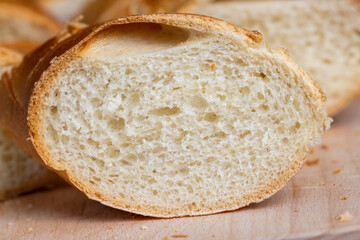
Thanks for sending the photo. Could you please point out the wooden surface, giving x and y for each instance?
(307, 208)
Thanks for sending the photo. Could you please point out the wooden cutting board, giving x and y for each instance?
(306, 208)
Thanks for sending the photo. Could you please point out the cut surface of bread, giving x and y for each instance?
(22, 29)
(21, 23)
(168, 114)
(322, 36)
(19, 172)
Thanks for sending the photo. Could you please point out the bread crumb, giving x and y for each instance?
(52, 230)
(213, 235)
(30, 229)
(143, 227)
(345, 217)
(179, 236)
(111, 227)
(177, 230)
(296, 210)
(337, 171)
(325, 147)
(166, 238)
(344, 198)
(312, 162)
(167, 226)
(322, 185)
(212, 66)
(335, 161)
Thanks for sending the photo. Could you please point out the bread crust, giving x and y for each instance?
(22, 101)
(11, 54)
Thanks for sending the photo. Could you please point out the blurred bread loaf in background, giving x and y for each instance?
(22, 29)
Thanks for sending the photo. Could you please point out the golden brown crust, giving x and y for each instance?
(22, 101)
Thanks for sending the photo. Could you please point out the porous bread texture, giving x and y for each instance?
(19, 23)
(322, 36)
(19, 172)
(166, 121)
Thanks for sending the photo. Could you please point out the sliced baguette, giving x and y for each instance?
(19, 173)
(21, 30)
(166, 115)
(322, 36)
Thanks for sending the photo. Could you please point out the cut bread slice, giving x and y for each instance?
(19, 172)
(166, 115)
(322, 36)
(21, 23)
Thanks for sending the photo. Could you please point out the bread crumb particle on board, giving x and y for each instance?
(111, 227)
(52, 230)
(212, 66)
(179, 236)
(312, 162)
(30, 229)
(167, 226)
(143, 227)
(296, 210)
(166, 238)
(344, 198)
(325, 147)
(345, 217)
(337, 171)
(213, 235)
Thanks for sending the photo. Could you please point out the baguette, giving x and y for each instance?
(165, 115)
(22, 23)
(19, 173)
(22, 29)
(323, 37)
